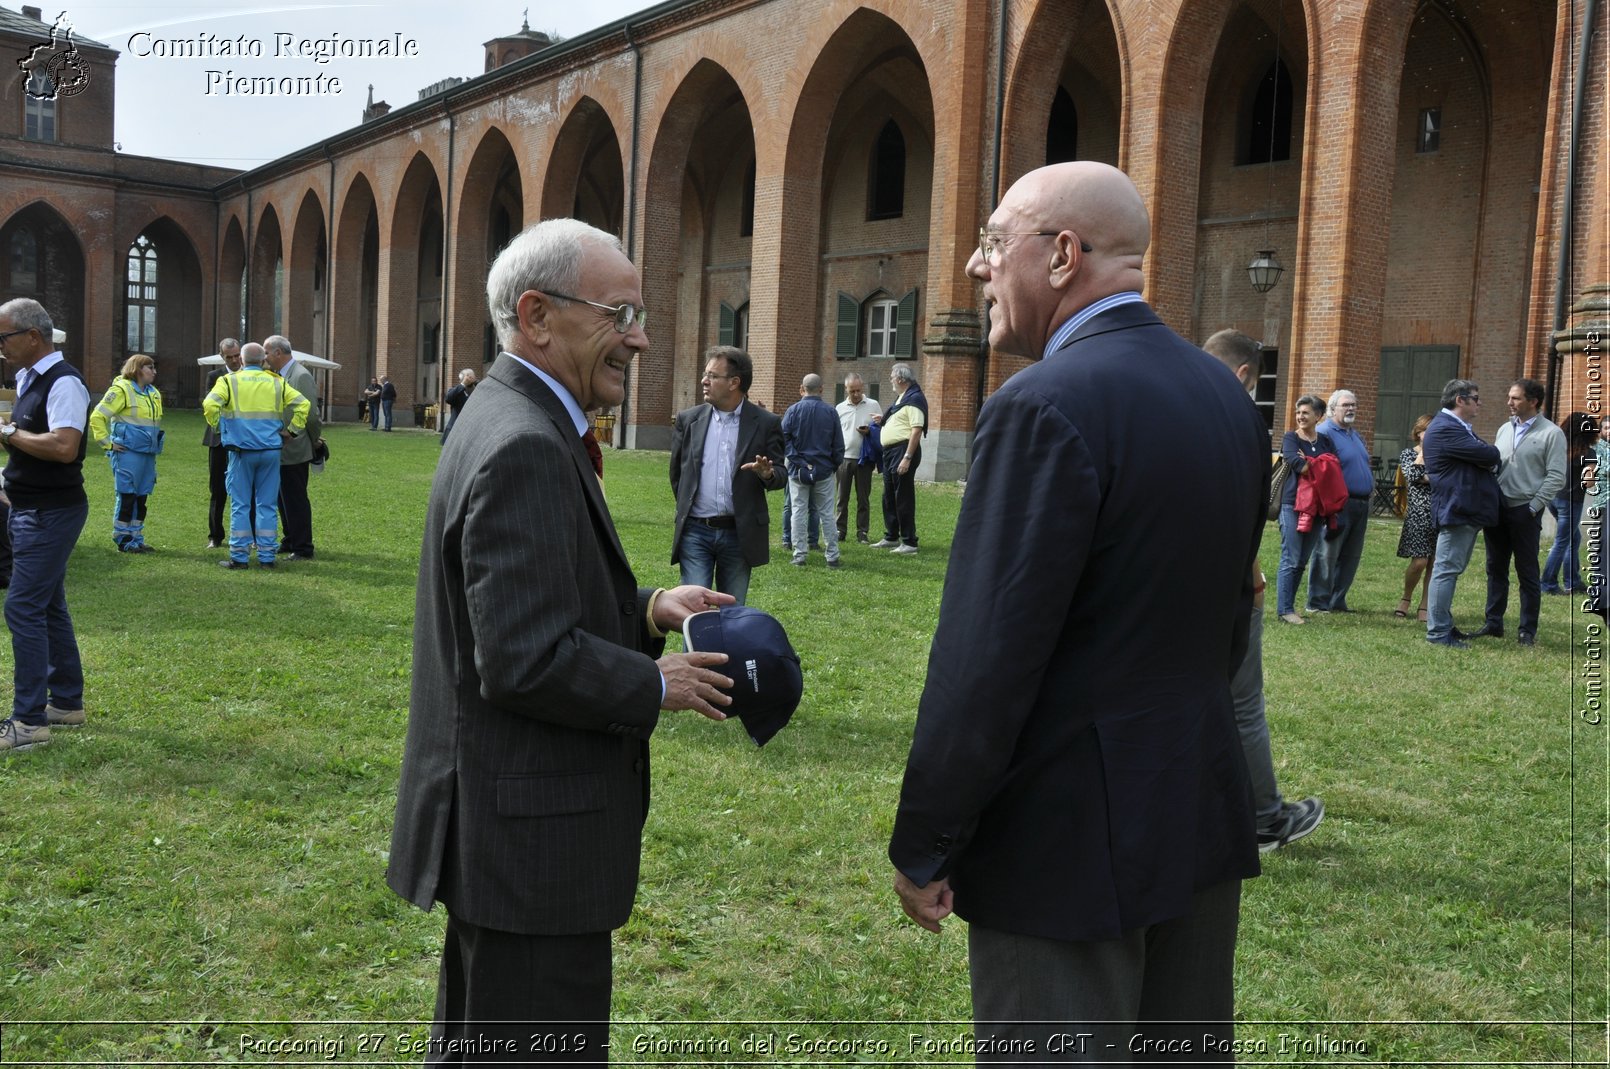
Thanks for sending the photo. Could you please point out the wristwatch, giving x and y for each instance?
(7, 431)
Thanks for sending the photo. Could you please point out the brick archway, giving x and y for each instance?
(354, 292)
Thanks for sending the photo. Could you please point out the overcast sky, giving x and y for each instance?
(169, 106)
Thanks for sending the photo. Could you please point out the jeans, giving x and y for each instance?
(811, 498)
(1336, 563)
(254, 488)
(1516, 534)
(1295, 548)
(385, 407)
(788, 521)
(44, 650)
(1564, 565)
(1246, 694)
(1454, 546)
(713, 557)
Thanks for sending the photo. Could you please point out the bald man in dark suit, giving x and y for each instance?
(536, 685)
(1076, 789)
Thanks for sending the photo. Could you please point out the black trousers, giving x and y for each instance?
(900, 495)
(509, 999)
(857, 476)
(1516, 535)
(296, 512)
(217, 469)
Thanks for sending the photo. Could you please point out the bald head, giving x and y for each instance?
(1068, 235)
(811, 385)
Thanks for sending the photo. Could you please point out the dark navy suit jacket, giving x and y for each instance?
(1464, 488)
(1076, 770)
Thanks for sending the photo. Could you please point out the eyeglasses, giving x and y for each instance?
(989, 242)
(625, 314)
(8, 335)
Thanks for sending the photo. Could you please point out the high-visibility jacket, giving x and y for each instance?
(249, 407)
(129, 416)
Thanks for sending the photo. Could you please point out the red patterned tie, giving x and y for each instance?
(590, 440)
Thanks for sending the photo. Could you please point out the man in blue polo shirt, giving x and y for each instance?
(1336, 559)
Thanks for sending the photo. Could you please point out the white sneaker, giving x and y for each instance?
(884, 543)
(904, 549)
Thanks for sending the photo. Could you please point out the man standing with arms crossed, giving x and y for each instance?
(856, 415)
(44, 479)
(1336, 559)
(1075, 788)
(217, 455)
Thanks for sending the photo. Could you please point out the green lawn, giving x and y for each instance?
(210, 849)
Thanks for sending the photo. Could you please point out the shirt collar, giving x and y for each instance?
(576, 416)
(40, 366)
(1524, 425)
(1060, 336)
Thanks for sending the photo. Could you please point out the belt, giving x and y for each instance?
(1358, 497)
(725, 523)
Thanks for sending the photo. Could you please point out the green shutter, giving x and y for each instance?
(847, 340)
(729, 319)
(905, 324)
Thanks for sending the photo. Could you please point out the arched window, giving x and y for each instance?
(142, 296)
(1269, 125)
(886, 178)
(39, 122)
(1062, 131)
(24, 261)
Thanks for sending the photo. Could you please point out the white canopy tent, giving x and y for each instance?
(318, 363)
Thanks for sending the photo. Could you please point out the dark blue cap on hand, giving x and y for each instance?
(761, 662)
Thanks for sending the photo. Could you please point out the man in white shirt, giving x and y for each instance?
(856, 412)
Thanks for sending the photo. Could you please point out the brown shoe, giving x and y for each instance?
(64, 718)
(17, 736)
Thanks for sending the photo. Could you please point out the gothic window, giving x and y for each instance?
(142, 296)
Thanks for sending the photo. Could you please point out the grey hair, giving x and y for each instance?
(227, 343)
(903, 373)
(1456, 389)
(252, 353)
(545, 257)
(278, 343)
(811, 383)
(1336, 397)
(28, 314)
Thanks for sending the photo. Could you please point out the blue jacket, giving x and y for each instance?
(1462, 470)
(814, 440)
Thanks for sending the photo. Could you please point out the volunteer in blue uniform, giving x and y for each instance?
(255, 412)
(128, 425)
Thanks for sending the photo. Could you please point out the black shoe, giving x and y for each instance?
(1487, 631)
(233, 565)
(1450, 641)
(1526, 638)
(265, 564)
(1296, 821)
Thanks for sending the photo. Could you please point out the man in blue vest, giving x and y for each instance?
(44, 478)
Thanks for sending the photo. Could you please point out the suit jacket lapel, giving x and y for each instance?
(748, 424)
(509, 371)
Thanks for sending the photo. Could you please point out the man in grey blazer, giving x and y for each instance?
(296, 511)
(536, 686)
(725, 455)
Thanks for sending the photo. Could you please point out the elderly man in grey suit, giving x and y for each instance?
(536, 685)
(725, 455)
(296, 511)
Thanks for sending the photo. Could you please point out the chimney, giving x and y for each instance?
(32, 13)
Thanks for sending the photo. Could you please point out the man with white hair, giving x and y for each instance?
(525, 774)
(1339, 552)
(296, 459)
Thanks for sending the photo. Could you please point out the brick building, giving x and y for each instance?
(811, 188)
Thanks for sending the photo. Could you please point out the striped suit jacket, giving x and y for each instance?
(525, 770)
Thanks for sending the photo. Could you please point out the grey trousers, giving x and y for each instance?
(1246, 692)
(1160, 993)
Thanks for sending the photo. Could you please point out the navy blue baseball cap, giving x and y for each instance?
(761, 662)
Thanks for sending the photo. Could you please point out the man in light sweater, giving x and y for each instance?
(1532, 454)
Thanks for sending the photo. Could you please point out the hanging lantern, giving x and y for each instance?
(1264, 271)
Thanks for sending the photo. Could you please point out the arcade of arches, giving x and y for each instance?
(811, 189)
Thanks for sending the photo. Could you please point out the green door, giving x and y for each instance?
(1412, 378)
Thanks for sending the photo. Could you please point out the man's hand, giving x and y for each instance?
(677, 604)
(689, 684)
(926, 905)
(761, 466)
